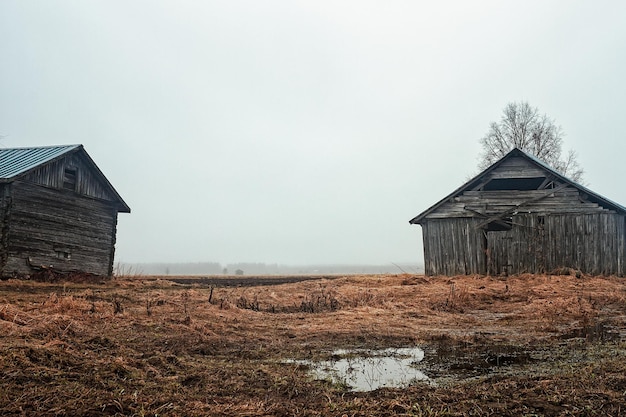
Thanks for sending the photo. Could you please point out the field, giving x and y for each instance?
(144, 346)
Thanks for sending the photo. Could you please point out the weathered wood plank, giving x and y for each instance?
(58, 227)
(87, 183)
(593, 243)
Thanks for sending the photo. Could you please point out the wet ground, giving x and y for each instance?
(369, 370)
(445, 361)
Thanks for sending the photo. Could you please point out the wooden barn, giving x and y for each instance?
(58, 212)
(520, 216)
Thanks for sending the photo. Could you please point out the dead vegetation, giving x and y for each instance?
(134, 347)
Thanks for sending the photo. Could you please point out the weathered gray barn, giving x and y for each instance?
(519, 216)
(57, 212)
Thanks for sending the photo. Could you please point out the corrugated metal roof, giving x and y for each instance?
(15, 161)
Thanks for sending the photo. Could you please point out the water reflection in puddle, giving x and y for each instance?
(367, 370)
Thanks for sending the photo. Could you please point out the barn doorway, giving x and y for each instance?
(497, 239)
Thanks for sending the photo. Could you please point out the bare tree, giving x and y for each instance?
(523, 127)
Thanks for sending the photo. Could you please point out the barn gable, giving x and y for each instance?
(515, 181)
(61, 167)
(519, 215)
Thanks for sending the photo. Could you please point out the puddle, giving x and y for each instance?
(367, 370)
(446, 361)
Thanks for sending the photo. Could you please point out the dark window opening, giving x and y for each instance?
(69, 179)
(64, 254)
(517, 184)
(500, 225)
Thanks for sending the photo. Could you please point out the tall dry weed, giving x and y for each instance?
(66, 304)
(363, 298)
(121, 271)
(456, 300)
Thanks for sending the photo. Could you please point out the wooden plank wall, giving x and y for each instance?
(5, 207)
(593, 243)
(567, 200)
(46, 223)
(518, 250)
(517, 167)
(453, 247)
(87, 183)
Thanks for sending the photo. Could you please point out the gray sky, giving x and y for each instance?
(303, 131)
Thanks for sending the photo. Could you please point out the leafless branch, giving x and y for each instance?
(523, 127)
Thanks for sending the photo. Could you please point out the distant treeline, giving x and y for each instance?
(248, 268)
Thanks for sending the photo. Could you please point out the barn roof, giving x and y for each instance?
(516, 152)
(16, 162)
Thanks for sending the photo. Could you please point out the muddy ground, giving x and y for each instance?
(524, 345)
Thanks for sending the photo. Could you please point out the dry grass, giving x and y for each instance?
(151, 347)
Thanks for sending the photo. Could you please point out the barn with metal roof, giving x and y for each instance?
(521, 216)
(58, 212)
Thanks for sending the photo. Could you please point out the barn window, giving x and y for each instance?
(517, 184)
(64, 254)
(500, 225)
(69, 179)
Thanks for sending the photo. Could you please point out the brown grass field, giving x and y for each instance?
(143, 346)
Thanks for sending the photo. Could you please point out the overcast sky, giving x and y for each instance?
(303, 132)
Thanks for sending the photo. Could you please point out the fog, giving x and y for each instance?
(302, 132)
(259, 268)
